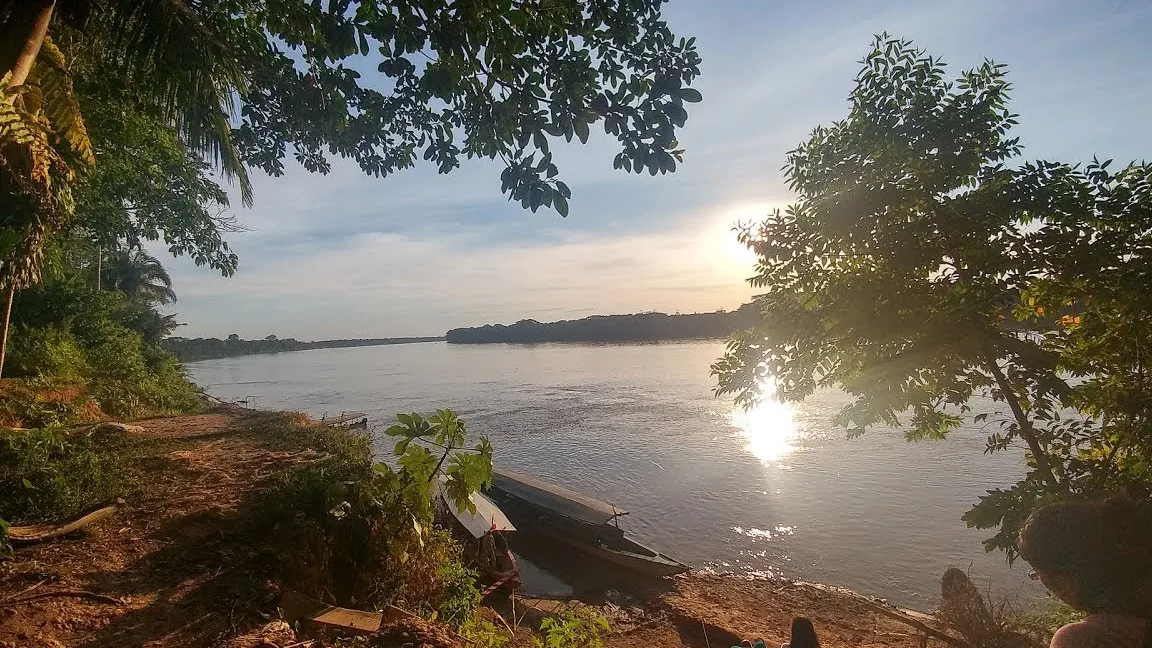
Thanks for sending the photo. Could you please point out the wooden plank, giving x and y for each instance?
(296, 607)
(348, 620)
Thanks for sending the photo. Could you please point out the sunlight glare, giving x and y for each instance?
(735, 254)
(768, 429)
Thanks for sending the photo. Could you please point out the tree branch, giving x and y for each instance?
(1043, 466)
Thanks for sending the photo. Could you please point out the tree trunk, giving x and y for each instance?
(1027, 432)
(21, 36)
(4, 335)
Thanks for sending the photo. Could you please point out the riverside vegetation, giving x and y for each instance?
(118, 118)
(889, 278)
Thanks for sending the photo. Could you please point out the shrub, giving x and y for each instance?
(64, 330)
(45, 351)
(482, 633)
(45, 402)
(48, 474)
(580, 629)
(343, 528)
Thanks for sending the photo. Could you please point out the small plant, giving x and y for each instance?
(458, 594)
(479, 632)
(1042, 621)
(579, 629)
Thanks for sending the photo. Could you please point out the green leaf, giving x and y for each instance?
(580, 127)
(401, 446)
(690, 95)
(561, 204)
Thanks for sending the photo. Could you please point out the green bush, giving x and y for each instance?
(455, 592)
(49, 474)
(482, 633)
(579, 629)
(342, 527)
(1044, 620)
(65, 330)
(44, 402)
(45, 351)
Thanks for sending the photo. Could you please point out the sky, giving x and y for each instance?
(346, 255)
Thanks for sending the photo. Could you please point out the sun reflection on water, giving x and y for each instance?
(768, 429)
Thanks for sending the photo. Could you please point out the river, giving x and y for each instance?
(778, 490)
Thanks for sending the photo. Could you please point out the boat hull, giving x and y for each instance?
(657, 567)
(604, 542)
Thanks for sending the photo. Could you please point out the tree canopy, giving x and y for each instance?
(924, 264)
(173, 90)
(251, 82)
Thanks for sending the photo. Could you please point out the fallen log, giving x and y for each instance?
(40, 532)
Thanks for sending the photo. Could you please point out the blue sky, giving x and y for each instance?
(346, 255)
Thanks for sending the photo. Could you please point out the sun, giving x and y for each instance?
(735, 253)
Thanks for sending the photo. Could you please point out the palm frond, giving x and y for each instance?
(18, 127)
(176, 52)
(58, 100)
(35, 188)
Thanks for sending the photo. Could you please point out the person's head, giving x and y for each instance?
(1095, 556)
(803, 634)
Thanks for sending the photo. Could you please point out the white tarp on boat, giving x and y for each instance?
(488, 517)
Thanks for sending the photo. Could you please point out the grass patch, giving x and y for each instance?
(1043, 620)
(293, 431)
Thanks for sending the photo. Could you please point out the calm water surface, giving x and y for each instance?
(777, 490)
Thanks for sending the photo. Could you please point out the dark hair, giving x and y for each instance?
(1103, 546)
(803, 634)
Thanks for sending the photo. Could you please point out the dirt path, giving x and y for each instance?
(175, 552)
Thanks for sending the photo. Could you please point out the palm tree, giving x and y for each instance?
(140, 276)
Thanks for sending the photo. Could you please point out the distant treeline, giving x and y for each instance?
(641, 327)
(192, 349)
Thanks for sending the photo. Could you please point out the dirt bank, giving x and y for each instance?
(175, 566)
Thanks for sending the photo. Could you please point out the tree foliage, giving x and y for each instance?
(491, 79)
(245, 83)
(923, 265)
(148, 185)
(140, 276)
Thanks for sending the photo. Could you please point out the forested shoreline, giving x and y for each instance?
(639, 327)
(193, 349)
